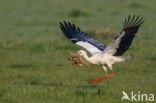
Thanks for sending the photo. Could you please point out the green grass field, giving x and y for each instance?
(34, 66)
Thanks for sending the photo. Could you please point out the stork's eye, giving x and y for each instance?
(79, 52)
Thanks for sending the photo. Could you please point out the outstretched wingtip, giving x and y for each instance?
(60, 22)
(64, 22)
(133, 21)
(69, 22)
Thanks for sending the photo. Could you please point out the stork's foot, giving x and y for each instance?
(98, 80)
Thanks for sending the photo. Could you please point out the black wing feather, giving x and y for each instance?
(75, 35)
(131, 27)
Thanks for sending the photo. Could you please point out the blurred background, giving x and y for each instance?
(34, 66)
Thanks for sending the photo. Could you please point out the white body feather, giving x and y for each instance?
(101, 58)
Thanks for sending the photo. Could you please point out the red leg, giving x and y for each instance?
(112, 73)
(98, 80)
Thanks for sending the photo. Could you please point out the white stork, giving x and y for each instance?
(101, 54)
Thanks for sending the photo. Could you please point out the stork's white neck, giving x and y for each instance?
(88, 59)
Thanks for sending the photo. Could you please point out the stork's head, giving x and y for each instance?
(82, 52)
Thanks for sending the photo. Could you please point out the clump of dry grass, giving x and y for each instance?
(75, 59)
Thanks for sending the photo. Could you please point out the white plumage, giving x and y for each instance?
(90, 48)
(101, 54)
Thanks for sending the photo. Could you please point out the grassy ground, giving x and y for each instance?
(33, 52)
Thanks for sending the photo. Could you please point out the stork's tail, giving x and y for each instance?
(127, 58)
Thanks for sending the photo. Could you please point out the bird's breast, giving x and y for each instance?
(105, 59)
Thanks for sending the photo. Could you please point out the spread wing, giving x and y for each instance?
(80, 38)
(123, 41)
